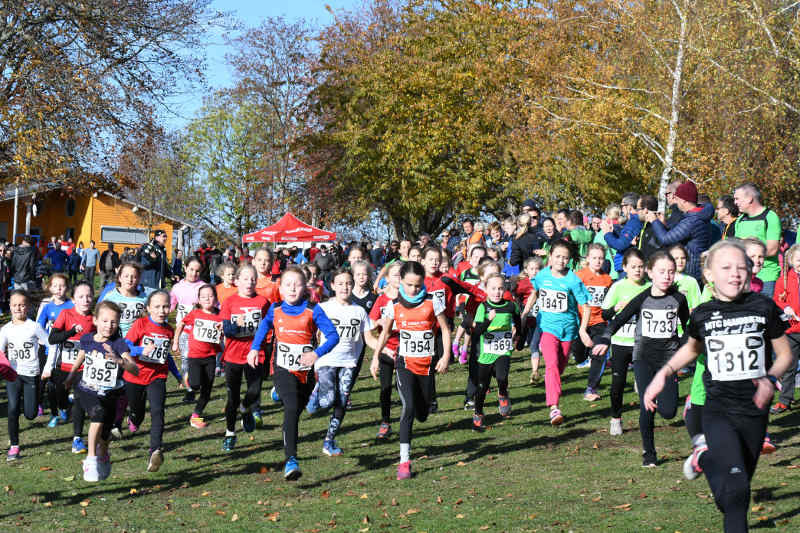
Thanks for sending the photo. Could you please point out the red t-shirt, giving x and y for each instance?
(67, 319)
(205, 333)
(254, 310)
(144, 332)
(377, 312)
(434, 285)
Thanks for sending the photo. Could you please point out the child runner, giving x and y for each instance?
(67, 330)
(241, 314)
(149, 340)
(620, 293)
(496, 324)
(787, 297)
(103, 355)
(48, 313)
(597, 284)
(559, 293)
(415, 313)
(740, 331)
(531, 331)
(295, 323)
(362, 296)
(468, 275)
(19, 340)
(687, 285)
(204, 328)
(336, 372)
(431, 258)
(226, 273)
(658, 312)
(182, 299)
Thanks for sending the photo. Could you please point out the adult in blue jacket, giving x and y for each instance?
(58, 259)
(693, 230)
(622, 239)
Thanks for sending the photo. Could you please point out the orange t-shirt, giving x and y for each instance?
(596, 286)
(223, 292)
(268, 289)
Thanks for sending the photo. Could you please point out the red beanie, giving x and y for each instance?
(687, 191)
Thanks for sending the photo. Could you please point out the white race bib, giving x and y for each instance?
(159, 355)
(207, 331)
(69, 352)
(627, 331)
(130, 312)
(552, 301)
(659, 323)
(596, 295)
(347, 332)
(98, 372)
(736, 357)
(497, 342)
(288, 355)
(24, 357)
(440, 298)
(181, 311)
(249, 322)
(416, 343)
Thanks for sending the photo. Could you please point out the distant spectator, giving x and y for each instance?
(57, 258)
(74, 267)
(89, 262)
(109, 261)
(23, 264)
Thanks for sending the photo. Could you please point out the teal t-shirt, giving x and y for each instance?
(558, 303)
(132, 309)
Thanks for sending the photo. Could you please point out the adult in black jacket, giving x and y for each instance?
(109, 262)
(646, 241)
(525, 242)
(23, 264)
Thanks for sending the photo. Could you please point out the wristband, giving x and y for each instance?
(772, 379)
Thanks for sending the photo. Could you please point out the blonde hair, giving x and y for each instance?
(486, 265)
(613, 211)
(787, 266)
(728, 243)
(523, 223)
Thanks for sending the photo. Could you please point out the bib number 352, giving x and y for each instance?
(736, 357)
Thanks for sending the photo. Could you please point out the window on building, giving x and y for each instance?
(70, 207)
(123, 235)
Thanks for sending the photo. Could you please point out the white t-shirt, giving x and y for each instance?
(20, 342)
(351, 321)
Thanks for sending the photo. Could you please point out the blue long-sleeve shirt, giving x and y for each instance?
(321, 320)
(623, 241)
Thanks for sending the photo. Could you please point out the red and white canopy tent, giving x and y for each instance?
(289, 229)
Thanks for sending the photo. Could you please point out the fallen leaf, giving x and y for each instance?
(273, 517)
(531, 516)
(394, 502)
(624, 506)
(642, 496)
(85, 503)
(412, 511)
(235, 517)
(439, 499)
(363, 530)
(48, 504)
(83, 512)
(365, 520)
(483, 528)
(364, 496)
(461, 463)
(69, 478)
(220, 513)
(459, 515)
(757, 508)
(263, 470)
(45, 468)
(459, 501)
(326, 494)
(596, 446)
(597, 498)
(195, 505)
(133, 491)
(205, 493)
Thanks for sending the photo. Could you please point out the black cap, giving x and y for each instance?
(159, 232)
(529, 203)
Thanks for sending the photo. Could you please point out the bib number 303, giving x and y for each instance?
(736, 357)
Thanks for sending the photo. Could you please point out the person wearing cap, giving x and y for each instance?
(693, 230)
(153, 257)
(530, 208)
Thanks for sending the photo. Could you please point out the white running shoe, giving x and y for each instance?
(616, 427)
(90, 470)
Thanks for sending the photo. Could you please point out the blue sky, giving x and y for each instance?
(251, 13)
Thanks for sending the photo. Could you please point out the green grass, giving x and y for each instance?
(520, 475)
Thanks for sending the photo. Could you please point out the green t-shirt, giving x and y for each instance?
(767, 227)
(624, 290)
(698, 390)
(496, 341)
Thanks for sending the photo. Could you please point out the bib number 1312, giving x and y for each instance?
(736, 357)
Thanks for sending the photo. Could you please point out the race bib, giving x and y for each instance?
(416, 343)
(130, 312)
(497, 342)
(440, 298)
(736, 357)
(347, 332)
(659, 323)
(628, 330)
(69, 352)
(157, 356)
(23, 354)
(249, 322)
(596, 295)
(552, 301)
(207, 331)
(99, 372)
(288, 356)
(181, 311)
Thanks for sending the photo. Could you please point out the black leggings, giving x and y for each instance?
(694, 419)
(23, 397)
(156, 392)
(472, 368)
(500, 368)
(385, 372)
(56, 392)
(294, 395)
(734, 445)
(415, 392)
(597, 363)
(233, 382)
(201, 378)
(667, 401)
(620, 359)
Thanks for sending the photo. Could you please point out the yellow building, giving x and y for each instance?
(52, 210)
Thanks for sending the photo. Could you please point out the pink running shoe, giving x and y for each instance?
(404, 471)
(464, 357)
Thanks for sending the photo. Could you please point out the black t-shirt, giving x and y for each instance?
(737, 339)
(366, 302)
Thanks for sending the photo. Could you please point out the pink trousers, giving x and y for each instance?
(555, 353)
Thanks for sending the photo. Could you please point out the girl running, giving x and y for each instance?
(415, 312)
(295, 323)
(658, 311)
(495, 326)
(468, 275)
(687, 285)
(203, 326)
(226, 272)
(531, 330)
(149, 340)
(618, 296)
(787, 297)
(65, 335)
(182, 299)
(103, 356)
(559, 293)
(241, 315)
(336, 372)
(49, 311)
(19, 340)
(743, 336)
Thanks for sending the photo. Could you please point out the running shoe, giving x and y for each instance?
(691, 466)
(590, 395)
(63, 415)
(313, 401)
(464, 357)
(116, 433)
(384, 431)
(78, 446)
(291, 471)
(616, 427)
(228, 443)
(404, 471)
(13, 454)
(768, 447)
(477, 423)
(197, 422)
(504, 406)
(469, 405)
(156, 458)
(649, 460)
(274, 394)
(434, 408)
(585, 364)
(104, 466)
(248, 422)
(133, 428)
(53, 422)
(349, 404)
(40, 412)
(534, 377)
(779, 408)
(217, 372)
(456, 351)
(687, 405)
(258, 419)
(556, 418)
(330, 449)
(90, 470)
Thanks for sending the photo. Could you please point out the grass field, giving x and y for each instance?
(520, 475)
